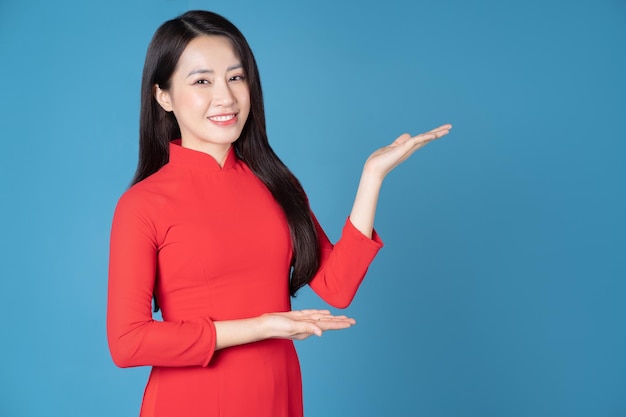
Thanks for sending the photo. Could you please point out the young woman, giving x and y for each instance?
(219, 233)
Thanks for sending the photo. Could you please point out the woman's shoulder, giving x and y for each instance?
(150, 192)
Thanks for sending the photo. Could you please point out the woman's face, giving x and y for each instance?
(209, 95)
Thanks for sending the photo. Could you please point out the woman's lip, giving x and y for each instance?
(224, 119)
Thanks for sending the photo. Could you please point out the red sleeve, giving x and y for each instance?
(134, 338)
(343, 266)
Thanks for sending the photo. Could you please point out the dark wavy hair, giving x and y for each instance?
(158, 127)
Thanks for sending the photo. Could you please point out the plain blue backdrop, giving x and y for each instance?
(500, 290)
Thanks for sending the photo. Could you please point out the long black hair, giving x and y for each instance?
(158, 127)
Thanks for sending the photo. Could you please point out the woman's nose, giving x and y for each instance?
(222, 96)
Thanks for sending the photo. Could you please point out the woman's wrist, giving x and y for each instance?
(262, 327)
(371, 176)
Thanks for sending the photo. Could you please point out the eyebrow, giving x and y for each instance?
(210, 71)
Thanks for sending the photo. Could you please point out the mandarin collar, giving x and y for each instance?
(199, 160)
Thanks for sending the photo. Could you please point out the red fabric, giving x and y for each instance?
(213, 245)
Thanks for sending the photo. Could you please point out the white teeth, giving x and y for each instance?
(222, 118)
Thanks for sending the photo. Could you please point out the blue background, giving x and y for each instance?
(500, 290)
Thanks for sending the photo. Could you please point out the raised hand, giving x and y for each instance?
(384, 160)
(376, 168)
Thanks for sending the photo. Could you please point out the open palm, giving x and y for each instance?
(385, 159)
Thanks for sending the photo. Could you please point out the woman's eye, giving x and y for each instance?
(202, 82)
(237, 78)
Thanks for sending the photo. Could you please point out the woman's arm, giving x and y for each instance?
(376, 168)
(344, 265)
(135, 338)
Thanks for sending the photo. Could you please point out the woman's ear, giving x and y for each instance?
(162, 97)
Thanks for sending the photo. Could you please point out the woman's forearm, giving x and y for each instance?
(238, 332)
(364, 208)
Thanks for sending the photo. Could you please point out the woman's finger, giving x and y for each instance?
(445, 127)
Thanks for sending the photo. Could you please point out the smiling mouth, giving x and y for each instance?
(222, 118)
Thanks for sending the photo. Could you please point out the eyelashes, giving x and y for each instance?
(235, 78)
